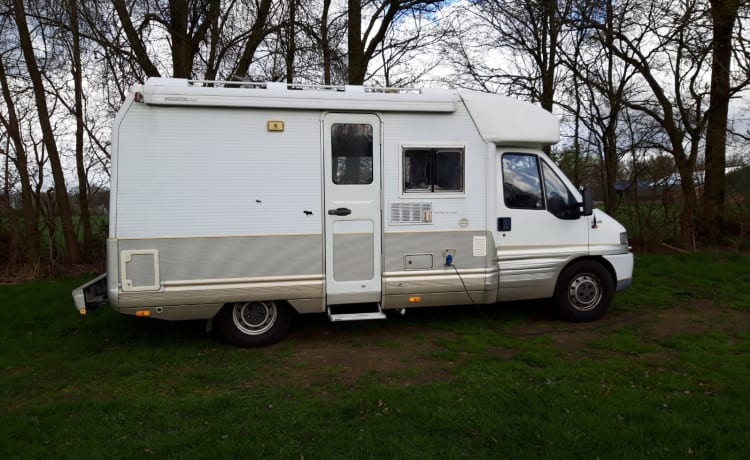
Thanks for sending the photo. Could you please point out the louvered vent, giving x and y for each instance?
(411, 213)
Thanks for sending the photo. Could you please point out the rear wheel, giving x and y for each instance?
(584, 291)
(254, 324)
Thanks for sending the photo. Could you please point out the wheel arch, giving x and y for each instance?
(598, 259)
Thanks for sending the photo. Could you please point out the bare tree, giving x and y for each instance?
(602, 84)
(325, 28)
(724, 15)
(61, 193)
(363, 45)
(12, 126)
(186, 23)
(528, 34)
(77, 73)
(134, 38)
(664, 42)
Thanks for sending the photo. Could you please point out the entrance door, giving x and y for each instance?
(351, 151)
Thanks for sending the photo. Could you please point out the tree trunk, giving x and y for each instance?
(690, 203)
(61, 192)
(357, 65)
(291, 41)
(30, 217)
(258, 33)
(182, 59)
(723, 15)
(134, 40)
(610, 166)
(325, 43)
(215, 36)
(83, 183)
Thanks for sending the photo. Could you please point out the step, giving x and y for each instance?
(355, 312)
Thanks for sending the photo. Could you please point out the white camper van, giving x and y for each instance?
(242, 203)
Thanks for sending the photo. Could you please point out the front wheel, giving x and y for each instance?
(584, 291)
(253, 324)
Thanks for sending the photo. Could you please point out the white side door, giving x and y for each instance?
(351, 203)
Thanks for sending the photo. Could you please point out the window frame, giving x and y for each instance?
(434, 149)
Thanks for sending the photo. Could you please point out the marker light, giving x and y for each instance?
(415, 299)
(143, 313)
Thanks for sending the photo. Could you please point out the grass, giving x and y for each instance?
(664, 375)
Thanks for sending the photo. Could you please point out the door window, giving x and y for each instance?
(351, 149)
(522, 187)
(560, 202)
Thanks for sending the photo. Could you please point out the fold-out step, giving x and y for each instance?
(355, 312)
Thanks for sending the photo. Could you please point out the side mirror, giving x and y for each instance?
(588, 202)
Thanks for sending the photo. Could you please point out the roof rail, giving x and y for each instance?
(281, 86)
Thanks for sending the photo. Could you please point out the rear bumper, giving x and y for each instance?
(623, 265)
(91, 295)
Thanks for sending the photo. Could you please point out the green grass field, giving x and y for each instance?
(666, 374)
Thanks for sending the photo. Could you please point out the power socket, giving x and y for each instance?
(449, 257)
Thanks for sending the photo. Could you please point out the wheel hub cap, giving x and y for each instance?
(585, 292)
(254, 318)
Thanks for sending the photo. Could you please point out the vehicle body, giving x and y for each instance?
(245, 202)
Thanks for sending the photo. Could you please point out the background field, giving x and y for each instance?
(664, 375)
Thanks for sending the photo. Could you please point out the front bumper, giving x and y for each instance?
(623, 265)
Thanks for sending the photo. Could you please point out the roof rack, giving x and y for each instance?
(282, 86)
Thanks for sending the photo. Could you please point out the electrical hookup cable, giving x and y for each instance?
(449, 263)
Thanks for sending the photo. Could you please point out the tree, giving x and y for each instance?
(134, 40)
(13, 129)
(61, 192)
(524, 36)
(324, 26)
(724, 14)
(384, 14)
(602, 84)
(253, 38)
(77, 73)
(664, 42)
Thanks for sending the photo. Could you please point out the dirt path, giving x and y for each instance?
(411, 350)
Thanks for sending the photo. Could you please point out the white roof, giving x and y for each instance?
(504, 120)
(499, 119)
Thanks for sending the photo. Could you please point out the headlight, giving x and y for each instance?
(624, 238)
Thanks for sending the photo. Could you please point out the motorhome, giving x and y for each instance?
(245, 203)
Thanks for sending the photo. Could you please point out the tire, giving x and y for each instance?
(254, 324)
(584, 291)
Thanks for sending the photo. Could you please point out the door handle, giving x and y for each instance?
(339, 212)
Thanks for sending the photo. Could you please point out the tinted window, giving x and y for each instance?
(522, 187)
(433, 170)
(351, 148)
(560, 201)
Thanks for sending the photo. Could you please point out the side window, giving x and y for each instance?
(351, 148)
(433, 170)
(522, 187)
(560, 201)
